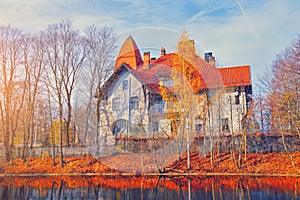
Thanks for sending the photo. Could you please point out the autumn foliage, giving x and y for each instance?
(256, 164)
(80, 165)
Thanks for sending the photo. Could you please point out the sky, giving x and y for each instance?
(238, 32)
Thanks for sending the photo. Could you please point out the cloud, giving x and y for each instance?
(28, 15)
(250, 37)
(237, 31)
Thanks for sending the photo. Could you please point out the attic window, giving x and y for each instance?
(125, 85)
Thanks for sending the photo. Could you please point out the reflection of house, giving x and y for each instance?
(132, 103)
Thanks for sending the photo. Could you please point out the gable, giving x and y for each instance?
(116, 79)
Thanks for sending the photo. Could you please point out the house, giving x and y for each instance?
(132, 104)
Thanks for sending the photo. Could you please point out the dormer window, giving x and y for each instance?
(168, 82)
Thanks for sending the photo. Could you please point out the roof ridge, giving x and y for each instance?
(130, 37)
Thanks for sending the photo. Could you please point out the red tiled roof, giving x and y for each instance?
(204, 74)
(161, 66)
(236, 76)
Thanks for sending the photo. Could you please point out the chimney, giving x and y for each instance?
(192, 42)
(208, 57)
(162, 51)
(212, 61)
(147, 60)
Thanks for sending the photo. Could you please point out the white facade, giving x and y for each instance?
(227, 113)
(131, 109)
(127, 109)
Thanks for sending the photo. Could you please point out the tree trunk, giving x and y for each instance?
(68, 122)
(61, 134)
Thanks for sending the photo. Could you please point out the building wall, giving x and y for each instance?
(133, 120)
(226, 113)
(234, 110)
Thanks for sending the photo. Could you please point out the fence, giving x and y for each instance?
(40, 151)
(255, 144)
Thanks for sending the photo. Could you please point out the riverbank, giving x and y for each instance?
(264, 164)
(270, 164)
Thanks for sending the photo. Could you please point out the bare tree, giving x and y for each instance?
(33, 63)
(12, 81)
(73, 60)
(64, 57)
(281, 88)
(99, 46)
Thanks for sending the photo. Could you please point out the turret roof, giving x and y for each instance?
(129, 54)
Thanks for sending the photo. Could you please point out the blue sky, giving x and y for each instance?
(238, 32)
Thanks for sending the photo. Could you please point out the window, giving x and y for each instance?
(155, 126)
(158, 106)
(225, 126)
(161, 106)
(237, 99)
(119, 126)
(116, 104)
(168, 82)
(134, 103)
(248, 103)
(122, 124)
(125, 85)
(170, 105)
(198, 128)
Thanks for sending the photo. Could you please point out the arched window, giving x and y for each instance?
(134, 103)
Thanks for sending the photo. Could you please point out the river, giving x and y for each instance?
(127, 188)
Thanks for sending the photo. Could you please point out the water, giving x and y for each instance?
(127, 188)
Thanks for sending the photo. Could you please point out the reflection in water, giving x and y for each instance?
(112, 187)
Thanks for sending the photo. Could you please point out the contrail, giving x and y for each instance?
(244, 13)
(241, 7)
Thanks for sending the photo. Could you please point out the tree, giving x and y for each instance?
(64, 57)
(34, 62)
(12, 79)
(281, 89)
(181, 99)
(285, 87)
(75, 53)
(99, 46)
